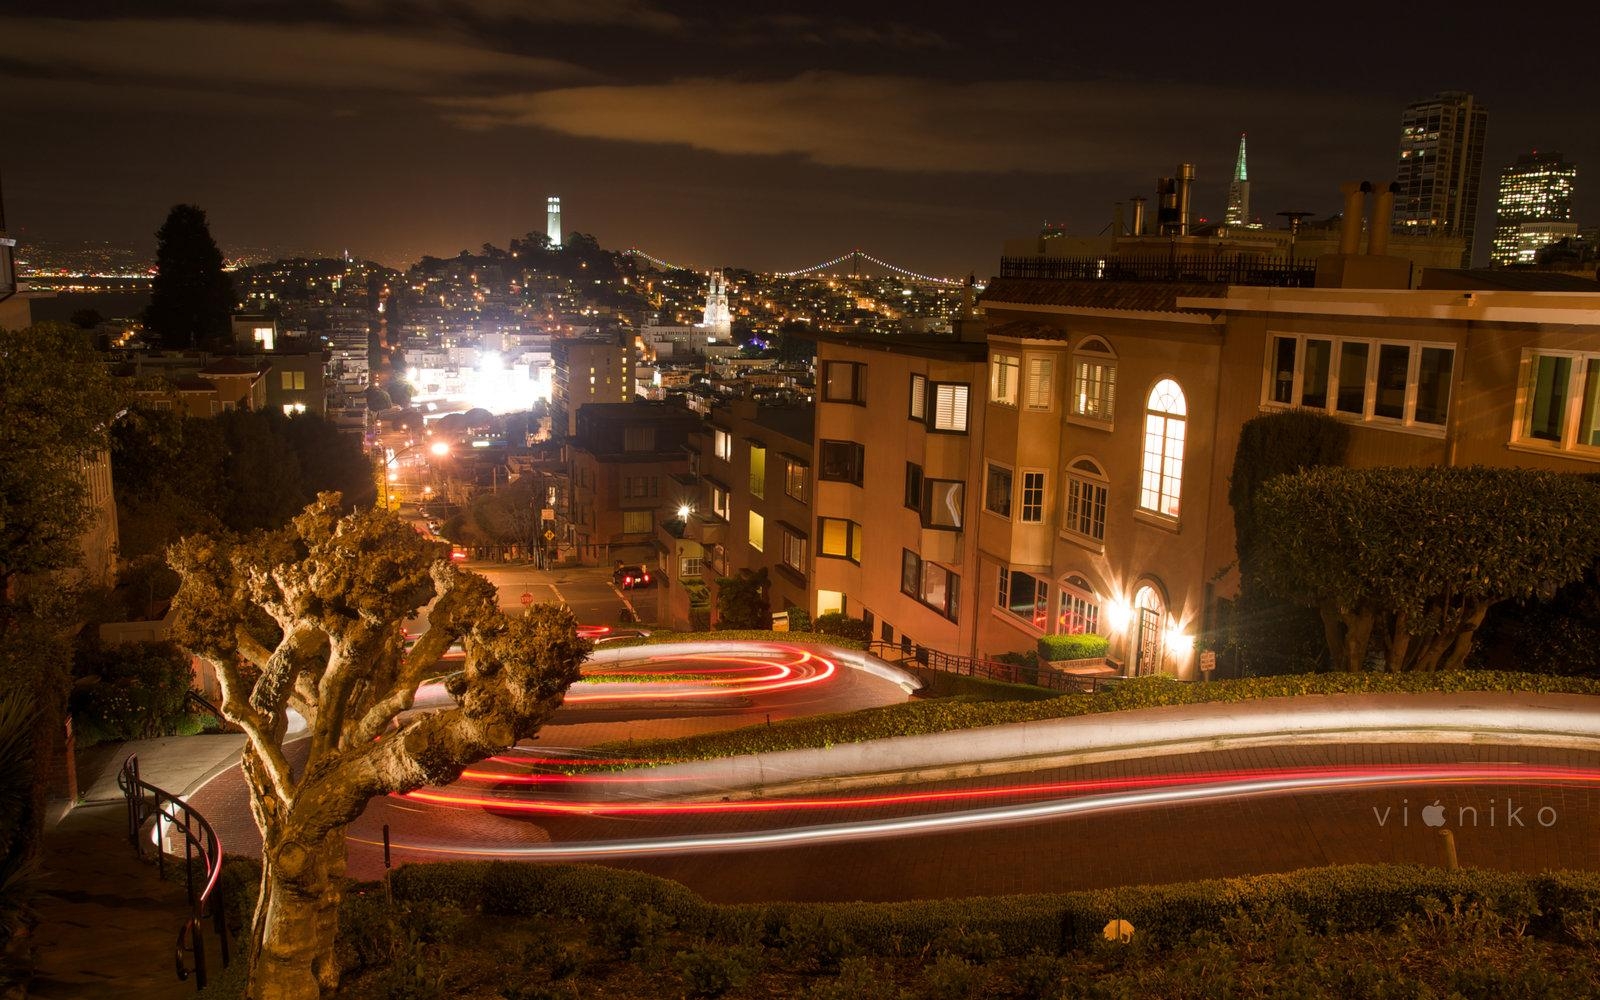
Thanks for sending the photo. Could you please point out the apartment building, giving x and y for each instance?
(588, 370)
(899, 448)
(620, 468)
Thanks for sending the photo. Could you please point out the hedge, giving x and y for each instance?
(1339, 898)
(1073, 647)
(918, 718)
(734, 635)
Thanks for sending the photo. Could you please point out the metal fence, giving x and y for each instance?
(994, 670)
(1273, 271)
(168, 815)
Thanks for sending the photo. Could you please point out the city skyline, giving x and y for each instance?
(436, 125)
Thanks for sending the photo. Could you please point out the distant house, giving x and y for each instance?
(621, 464)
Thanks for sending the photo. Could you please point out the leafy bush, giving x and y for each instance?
(840, 624)
(130, 691)
(951, 977)
(799, 619)
(1072, 647)
(712, 970)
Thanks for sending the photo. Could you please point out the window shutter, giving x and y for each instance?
(1110, 392)
(1038, 383)
(919, 389)
(950, 408)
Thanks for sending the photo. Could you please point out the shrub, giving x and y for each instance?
(129, 691)
(858, 977)
(799, 619)
(813, 940)
(1072, 647)
(840, 624)
(953, 978)
(713, 970)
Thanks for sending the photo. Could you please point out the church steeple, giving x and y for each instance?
(1238, 213)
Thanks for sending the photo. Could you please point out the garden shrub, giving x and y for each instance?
(799, 619)
(840, 624)
(712, 970)
(1073, 647)
(129, 691)
(951, 977)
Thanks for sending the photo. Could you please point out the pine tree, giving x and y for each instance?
(191, 299)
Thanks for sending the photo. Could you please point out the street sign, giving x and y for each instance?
(527, 598)
(549, 536)
(547, 514)
(1208, 662)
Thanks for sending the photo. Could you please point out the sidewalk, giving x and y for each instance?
(108, 924)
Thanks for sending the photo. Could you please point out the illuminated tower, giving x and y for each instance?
(1535, 207)
(552, 219)
(1441, 167)
(1238, 213)
(718, 322)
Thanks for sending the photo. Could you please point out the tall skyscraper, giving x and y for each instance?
(1535, 207)
(1441, 167)
(1238, 213)
(552, 219)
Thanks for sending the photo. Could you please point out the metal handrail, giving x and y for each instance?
(995, 670)
(148, 802)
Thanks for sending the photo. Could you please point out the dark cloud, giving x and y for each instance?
(291, 56)
(905, 124)
(618, 13)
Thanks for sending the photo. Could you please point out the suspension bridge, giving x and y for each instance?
(852, 264)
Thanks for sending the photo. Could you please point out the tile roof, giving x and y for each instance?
(1025, 329)
(1140, 296)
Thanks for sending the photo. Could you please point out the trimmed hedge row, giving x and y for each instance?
(1072, 647)
(1340, 898)
(916, 718)
(735, 635)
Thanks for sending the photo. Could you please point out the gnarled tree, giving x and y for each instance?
(310, 618)
(1412, 558)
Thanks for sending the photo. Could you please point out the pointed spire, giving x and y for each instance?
(1238, 170)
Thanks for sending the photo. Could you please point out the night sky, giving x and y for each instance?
(712, 134)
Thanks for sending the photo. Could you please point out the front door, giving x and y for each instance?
(1149, 655)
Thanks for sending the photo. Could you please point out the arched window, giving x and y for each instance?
(1149, 627)
(1078, 609)
(1085, 498)
(1162, 482)
(1094, 380)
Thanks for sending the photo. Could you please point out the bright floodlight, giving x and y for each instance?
(439, 448)
(684, 510)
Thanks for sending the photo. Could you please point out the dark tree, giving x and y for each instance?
(191, 299)
(87, 319)
(743, 602)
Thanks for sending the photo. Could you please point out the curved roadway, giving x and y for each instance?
(1154, 816)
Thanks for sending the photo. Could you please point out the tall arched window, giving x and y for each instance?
(1150, 612)
(1163, 449)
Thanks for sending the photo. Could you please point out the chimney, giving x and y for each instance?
(1355, 200)
(1138, 215)
(1116, 219)
(1185, 185)
(1382, 219)
(1166, 206)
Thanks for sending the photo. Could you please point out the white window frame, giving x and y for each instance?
(1091, 352)
(1038, 382)
(1165, 433)
(951, 407)
(1585, 365)
(1075, 597)
(1408, 416)
(1084, 478)
(794, 550)
(722, 444)
(1005, 371)
(1039, 506)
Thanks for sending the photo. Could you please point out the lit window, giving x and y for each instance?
(1561, 403)
(794, 551)
(1094, 380)
(722, 444)
(758, 532)
(1003, 379)
(693, 566)
(1040, 382)
(758, 471)
(636, 522)
(719, 502)
(1164, 420)
(950, 407)
(795, 478)
(919, 397)
(841, 539)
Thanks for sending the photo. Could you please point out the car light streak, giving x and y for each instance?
(804, 668)
(1397, 774)
(1212, 791)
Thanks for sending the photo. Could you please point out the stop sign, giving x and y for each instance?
(527, 598)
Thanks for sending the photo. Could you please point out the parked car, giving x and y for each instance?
(630, 576)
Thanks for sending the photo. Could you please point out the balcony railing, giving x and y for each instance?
(1277, 272)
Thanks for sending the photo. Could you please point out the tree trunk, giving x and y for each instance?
(297, 919)
(1457, 657)
(1357, 636)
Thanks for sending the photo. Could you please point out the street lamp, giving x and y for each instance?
(391, 475)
